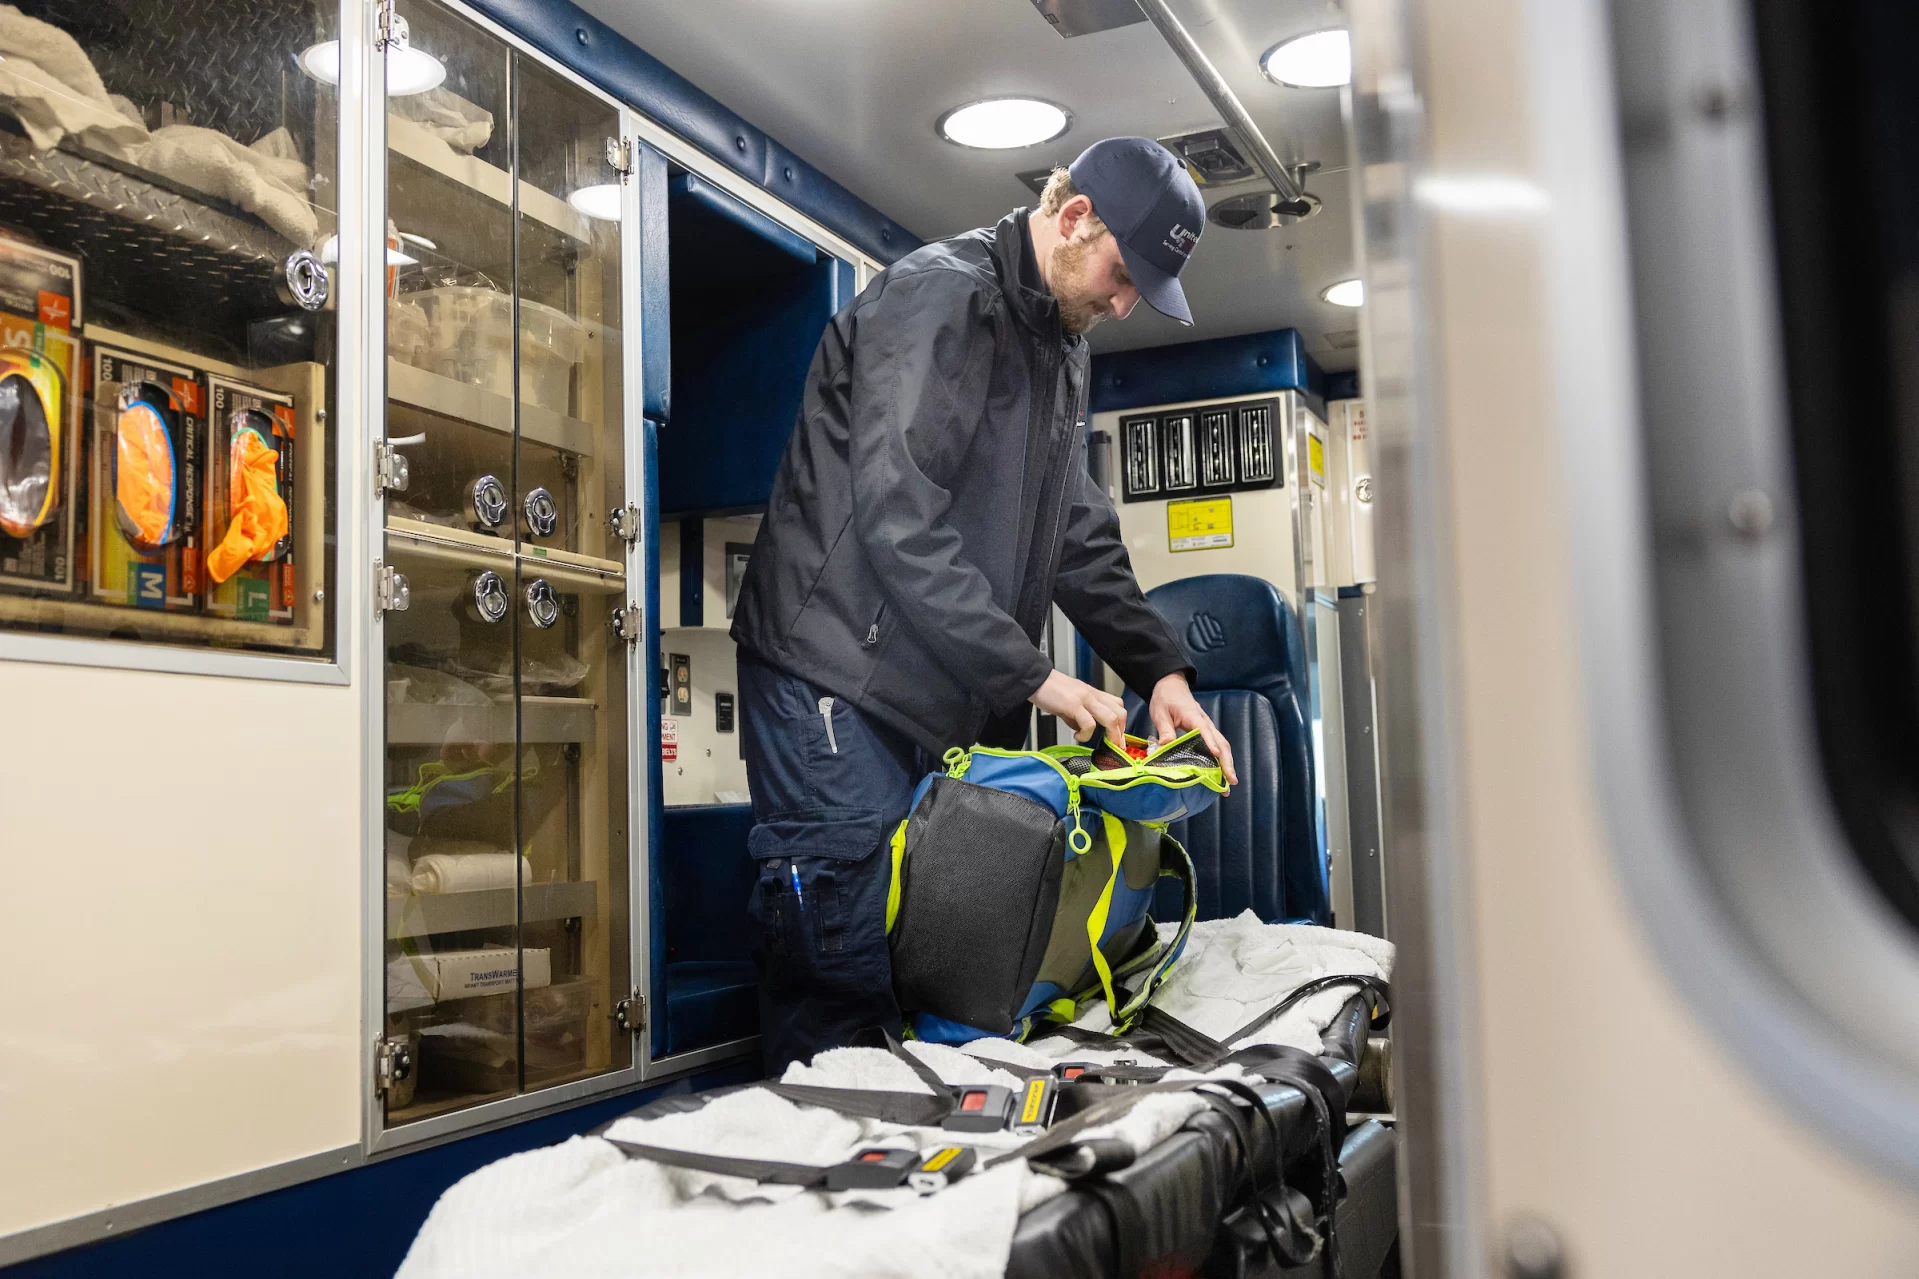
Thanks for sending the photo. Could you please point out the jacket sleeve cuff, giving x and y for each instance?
(1007, 693)
(1143, 676)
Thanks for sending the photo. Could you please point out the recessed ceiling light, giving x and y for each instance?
(1321, 60)
(1345, 293)
(1000, 124)
(601, 201)
(408, 70)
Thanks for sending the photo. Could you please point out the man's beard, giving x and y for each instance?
(1079, 307)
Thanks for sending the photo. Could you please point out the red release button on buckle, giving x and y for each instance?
(973, 1101)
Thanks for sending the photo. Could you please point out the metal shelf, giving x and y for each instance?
(543, 720)
(568, 571)
(464, 402)
(424, 914)
(406, 139)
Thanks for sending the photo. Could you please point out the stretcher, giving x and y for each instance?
(1139, 1172)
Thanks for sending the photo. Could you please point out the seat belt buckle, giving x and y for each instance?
(874, 1168)
(942, 1168)
(980, 1108)
(1036, 1101)
(1094, 1072)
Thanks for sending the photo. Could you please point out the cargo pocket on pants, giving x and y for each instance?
(812, 866)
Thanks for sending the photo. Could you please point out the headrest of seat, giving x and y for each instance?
(1238, 631)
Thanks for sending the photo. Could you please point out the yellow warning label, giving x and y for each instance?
(1316, 459)
(1199, 524)
(1035, 1096)
(941, 1159)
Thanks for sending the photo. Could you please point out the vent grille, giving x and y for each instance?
(1216, 448)
(1256, 452)
(1140, 445)
(1182, 458)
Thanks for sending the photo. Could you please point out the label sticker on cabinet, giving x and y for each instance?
(1199, 524)
(1316, 459)
(669, 738)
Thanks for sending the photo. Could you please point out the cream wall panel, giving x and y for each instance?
(1609, 1112)
(183, 889)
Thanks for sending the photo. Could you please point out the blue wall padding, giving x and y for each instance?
(1342, 386)
(761, 230)
(693, 572)
(708, 878)
(569, 35)
(1250, 364)
(747, 316)
(359, 1222)
(656, 287)
(655, 771)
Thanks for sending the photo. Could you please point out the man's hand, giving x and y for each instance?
(1084, 707)
(1174, 712)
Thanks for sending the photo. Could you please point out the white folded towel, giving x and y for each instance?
(469, 872)
(261, 179)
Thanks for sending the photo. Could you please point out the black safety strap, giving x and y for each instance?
(1281, 1232)
(919, 1110)
(767, 1170)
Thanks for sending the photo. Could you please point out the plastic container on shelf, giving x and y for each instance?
(407, 331)
(470, 339)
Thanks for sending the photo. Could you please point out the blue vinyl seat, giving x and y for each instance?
(708, 987)
(1259, 846)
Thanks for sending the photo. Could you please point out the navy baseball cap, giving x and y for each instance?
(1144, 195)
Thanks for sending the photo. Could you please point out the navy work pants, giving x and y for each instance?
(829, 787)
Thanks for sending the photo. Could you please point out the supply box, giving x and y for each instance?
(149, 434)
(40, 419)
(251, 426)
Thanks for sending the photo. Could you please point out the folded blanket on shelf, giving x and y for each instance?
(261, 179)
(469, 872)
(576, 1209)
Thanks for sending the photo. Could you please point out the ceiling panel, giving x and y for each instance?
(855, 86)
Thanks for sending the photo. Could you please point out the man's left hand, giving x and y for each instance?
(1174, 712)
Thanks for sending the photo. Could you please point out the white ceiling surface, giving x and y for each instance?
(855, 86)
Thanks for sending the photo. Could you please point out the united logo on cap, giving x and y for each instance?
(1181, 241)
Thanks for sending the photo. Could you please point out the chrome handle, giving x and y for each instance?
(304, 281)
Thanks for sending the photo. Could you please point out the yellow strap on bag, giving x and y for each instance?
(1096, 921)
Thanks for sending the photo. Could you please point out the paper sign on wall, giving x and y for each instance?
(669, 738)
(1199, 524)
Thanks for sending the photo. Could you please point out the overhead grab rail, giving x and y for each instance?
(1292, 195)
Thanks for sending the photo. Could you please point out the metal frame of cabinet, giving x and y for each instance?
(365, 513)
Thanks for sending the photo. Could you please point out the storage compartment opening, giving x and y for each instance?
(749, 301)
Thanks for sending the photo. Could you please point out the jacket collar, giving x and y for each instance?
(1019, 274)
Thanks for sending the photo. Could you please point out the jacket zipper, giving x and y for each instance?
(873, 631)
(826, 714)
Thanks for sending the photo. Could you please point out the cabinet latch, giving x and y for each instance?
(392, 1064)
(390, 470)
(619, 157)
(627, 623)
(389, 28)
(390, 591)
(630, 1013)
(626, 523)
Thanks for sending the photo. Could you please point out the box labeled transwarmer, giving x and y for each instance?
(251, 550)
(462, 974)
(148, 442)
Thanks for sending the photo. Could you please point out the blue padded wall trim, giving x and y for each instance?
(1250, 364)
(689, 186)
(655, 772)
(693, 572)
(709, 877)
(656, 287)
(1342, 386)
(359, 1222)
(569, 35)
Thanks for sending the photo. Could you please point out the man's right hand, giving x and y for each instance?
(1080, 704)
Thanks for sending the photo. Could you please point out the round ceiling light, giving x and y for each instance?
(601, 201)
(1345, 293)
(408, 70)
(1321, 60)
(1001, 124)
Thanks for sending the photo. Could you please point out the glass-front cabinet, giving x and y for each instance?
(507, 821)
(166, 470)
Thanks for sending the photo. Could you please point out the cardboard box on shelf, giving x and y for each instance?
(168, 577)
(462, 974)
(39, 307)
(263, 589)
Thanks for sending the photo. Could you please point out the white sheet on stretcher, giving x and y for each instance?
(584, 1210)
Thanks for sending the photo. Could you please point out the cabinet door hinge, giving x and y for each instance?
(392, 1063)
(619, 156)
(389, 28)
(390, 591)
(626, 523)
(391, 473)
(630, 1013)
(628, 623)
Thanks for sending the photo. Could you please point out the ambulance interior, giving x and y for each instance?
(396, 433)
